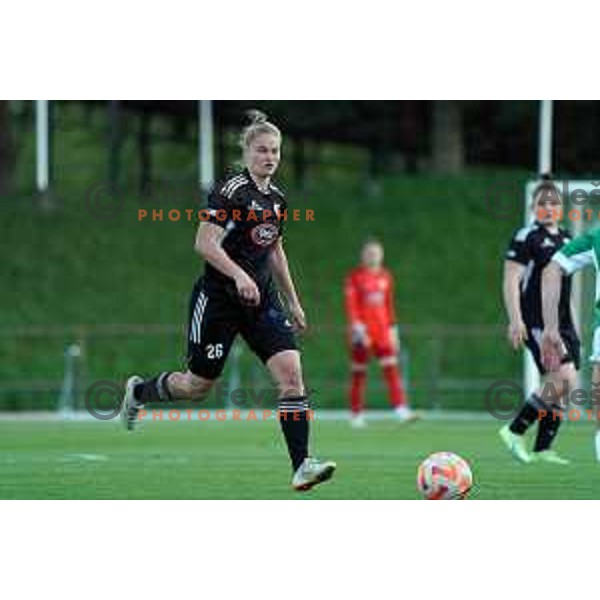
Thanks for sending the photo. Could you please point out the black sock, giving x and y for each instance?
(547, 430)
(294, 417)
(527, 415)
(153, 390)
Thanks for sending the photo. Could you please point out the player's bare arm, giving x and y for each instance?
(357, 330)
(551, 340)
(513, 274)
(394, 330)
(281, 273)
(209, 245)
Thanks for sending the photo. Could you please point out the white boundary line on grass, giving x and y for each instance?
(320, 415)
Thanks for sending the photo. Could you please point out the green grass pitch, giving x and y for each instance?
(247, 460)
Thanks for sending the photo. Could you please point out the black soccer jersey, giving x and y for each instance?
(253, 221)
(533, 247)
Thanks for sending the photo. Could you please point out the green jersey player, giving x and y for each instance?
(583, 251)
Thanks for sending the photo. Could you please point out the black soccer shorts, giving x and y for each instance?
(572, 346)
(215, 319)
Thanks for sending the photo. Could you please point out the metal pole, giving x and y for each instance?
(206, 149)
(545, 137)
(42, 138)
(66, 402)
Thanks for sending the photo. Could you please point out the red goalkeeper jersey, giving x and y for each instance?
(370, 300)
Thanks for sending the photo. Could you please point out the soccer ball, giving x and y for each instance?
(444, 476)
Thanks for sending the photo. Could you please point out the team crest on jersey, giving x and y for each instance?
(264, 234)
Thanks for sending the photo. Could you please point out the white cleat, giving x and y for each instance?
(312, 472)
(515, 444)
(403, 414)
(549, 456)
(358, 421)
(130, 407)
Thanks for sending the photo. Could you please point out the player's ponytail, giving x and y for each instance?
(256, 116)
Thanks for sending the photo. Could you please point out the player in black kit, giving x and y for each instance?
(530, 250)
(241, 242)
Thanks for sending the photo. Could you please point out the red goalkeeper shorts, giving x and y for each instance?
(380, 347)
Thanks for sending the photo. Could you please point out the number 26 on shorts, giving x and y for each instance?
(214, 351)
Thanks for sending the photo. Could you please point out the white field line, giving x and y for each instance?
(211, 415)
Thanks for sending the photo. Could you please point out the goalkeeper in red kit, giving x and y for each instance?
(373, 332)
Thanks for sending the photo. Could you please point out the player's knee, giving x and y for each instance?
(286, 370)
(388, 361)
(290, 381)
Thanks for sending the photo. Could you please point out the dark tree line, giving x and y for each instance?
(410, 136)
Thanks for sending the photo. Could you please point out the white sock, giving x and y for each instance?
(598, 445)
(402, 411)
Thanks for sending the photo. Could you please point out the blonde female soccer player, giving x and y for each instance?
(242, 245)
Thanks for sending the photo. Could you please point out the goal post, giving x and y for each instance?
(206, 161)
(67, 402)
(42, 145)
